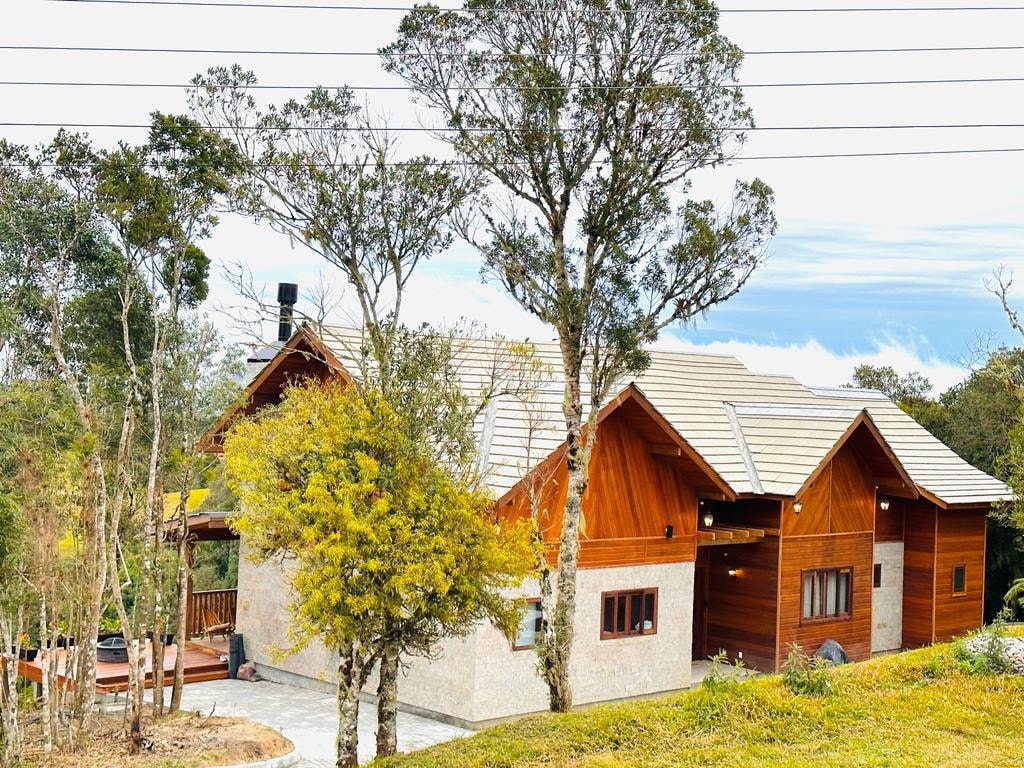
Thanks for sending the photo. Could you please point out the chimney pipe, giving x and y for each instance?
(287, 295)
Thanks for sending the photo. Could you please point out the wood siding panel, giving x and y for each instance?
(813, 519)
(919, 574)
(831, 551)
(960, 540)
(632, 496)
(741, 609)
(852, 505)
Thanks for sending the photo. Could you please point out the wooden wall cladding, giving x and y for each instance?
(632, 496)
(889, 523)
(919, 574)
(840, 500)
(854, 550)
(960, 540)
(741, 609)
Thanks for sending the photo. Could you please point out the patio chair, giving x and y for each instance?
(212, 624)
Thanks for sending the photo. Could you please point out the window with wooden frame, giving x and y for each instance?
(877, 577)
(827, 594)
(529, 625)
(959, 579)
(629, 612)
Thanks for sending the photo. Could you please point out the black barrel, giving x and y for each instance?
(236, 655)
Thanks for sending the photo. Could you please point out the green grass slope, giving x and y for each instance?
(920, 708)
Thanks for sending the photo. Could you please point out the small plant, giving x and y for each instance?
(718, 677)
(984, 653)
(805, 675)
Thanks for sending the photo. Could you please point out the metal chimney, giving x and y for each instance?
(287, 295)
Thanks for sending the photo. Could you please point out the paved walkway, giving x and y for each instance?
(309, 718)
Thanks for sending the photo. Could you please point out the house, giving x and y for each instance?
(726, 510)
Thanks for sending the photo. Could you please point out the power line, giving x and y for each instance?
(738, 159)
(444, 129)
(453, 55)
(406, 9)
(652, 86)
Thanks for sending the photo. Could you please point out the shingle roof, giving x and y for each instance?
(762, 433)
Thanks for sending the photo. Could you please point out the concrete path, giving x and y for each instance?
(308, 718)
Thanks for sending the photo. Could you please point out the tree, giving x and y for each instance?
(159, 200)
(897, 387)
(589, 120)
(318, 172)
(377, 528)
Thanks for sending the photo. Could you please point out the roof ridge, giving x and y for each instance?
(744, 449)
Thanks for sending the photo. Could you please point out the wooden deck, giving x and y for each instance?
(202, 662)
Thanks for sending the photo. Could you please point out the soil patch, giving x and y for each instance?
(184, 740)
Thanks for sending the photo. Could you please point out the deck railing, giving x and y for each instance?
(222, 602)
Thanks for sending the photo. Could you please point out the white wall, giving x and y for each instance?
(480, 678)
(887, 600)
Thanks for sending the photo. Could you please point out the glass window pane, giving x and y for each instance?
(620, 614)
(636, 611)
(608, 615)
(819, 595)
(878, 575)
(649, 617)
(808, 595)
(830, 593)
(959, 578)
(843, 598)
(529, 624)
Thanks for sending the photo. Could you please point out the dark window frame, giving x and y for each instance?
(952, 580)
(876, 576)
(526, 602)
(839, 615)
(625, 595)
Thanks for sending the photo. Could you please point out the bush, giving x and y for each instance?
(806, 675)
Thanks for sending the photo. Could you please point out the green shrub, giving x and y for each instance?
(806, 675)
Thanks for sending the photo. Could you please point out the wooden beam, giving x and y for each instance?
(665, 450)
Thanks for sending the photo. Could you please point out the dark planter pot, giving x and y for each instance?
(65, 642)
(112, 650)
(168, 638)
(28, 654)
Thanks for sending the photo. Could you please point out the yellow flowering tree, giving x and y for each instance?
(386, 543)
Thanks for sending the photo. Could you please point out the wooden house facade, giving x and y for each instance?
(725, 511)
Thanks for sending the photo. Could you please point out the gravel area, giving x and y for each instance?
(1013, 647)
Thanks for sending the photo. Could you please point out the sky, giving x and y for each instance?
(877, 259)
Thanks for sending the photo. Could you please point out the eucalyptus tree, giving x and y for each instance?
(320, 173)
(590, 120)
(159, 201)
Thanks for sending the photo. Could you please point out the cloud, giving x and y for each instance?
(814, 365)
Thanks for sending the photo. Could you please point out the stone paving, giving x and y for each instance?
(308, 718)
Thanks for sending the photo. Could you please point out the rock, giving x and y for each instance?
(248, 672)
(1013, 648)
(832, 652)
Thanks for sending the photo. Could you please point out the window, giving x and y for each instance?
(632, 612)
(878, 575)
(529, 626)
(959, 579)
(827, 593)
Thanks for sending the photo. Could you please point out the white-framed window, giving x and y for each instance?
(529, 625)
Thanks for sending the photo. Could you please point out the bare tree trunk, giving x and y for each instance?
(387, 702)
(351, 678)
(159, 620)
(182, 607)
(10, 651)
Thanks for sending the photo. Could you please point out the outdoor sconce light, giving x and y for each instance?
(669, 530)
(884, 505)
(732, 572)
(709, 519)
(798, 507)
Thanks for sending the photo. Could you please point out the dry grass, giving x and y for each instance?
(919, 709)
(186, 740)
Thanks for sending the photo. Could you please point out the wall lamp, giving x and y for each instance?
(709, 519)
(798, 507)
(884, 505)
(733, 572)
(669, 531)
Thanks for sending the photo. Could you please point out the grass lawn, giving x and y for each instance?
(913, 709)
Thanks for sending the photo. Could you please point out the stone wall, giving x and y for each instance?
(887, 600)
(478, 679)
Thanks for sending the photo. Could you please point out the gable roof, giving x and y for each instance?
(759, 434)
